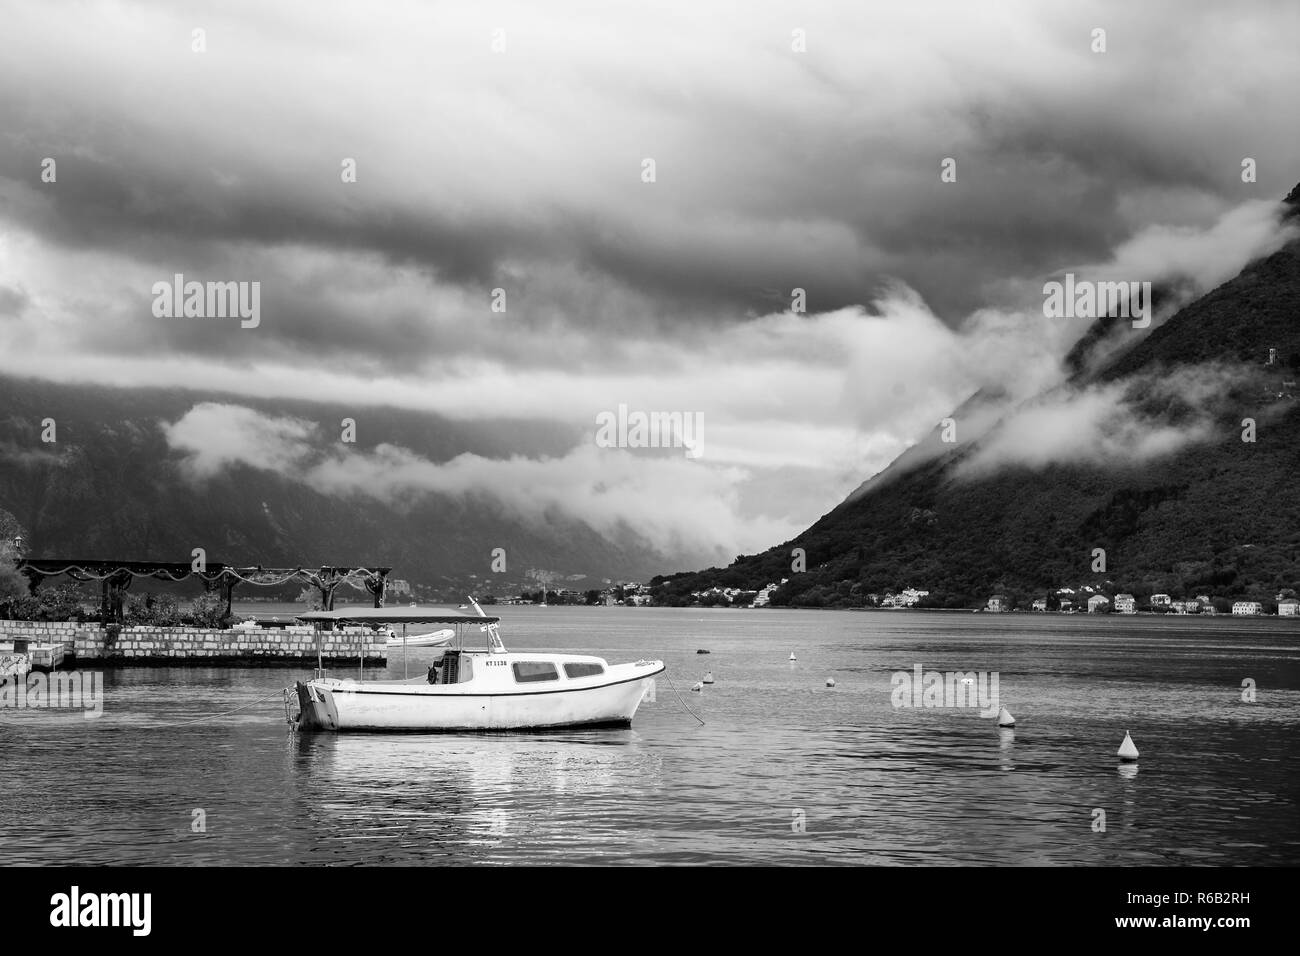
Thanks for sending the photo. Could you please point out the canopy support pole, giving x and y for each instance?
(404, 673)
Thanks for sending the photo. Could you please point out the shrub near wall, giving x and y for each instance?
(61, 603)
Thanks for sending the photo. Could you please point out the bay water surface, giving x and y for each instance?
(783, 769)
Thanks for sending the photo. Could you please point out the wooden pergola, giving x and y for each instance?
(116, 578)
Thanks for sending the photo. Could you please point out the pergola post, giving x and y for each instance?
(118, 584)
(327, 583)
(34, 579)
(377, 585)
(228, 589)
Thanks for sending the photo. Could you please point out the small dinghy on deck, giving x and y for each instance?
(485, 689)
(432, 639)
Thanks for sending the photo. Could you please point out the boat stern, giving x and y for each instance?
(316, 710)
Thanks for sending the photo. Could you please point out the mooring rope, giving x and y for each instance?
(679, 698)
(182, 723)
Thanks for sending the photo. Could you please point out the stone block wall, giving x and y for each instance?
(175, 645)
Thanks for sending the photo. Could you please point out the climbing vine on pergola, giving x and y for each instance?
(116, 578)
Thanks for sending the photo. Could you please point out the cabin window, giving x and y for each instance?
(583, 670)
(530, 672)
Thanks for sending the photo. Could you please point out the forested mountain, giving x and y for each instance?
(1020, 509)
(111, 486)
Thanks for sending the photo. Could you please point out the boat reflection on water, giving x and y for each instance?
(469, 798)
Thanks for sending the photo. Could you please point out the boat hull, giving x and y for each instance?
(344, 705)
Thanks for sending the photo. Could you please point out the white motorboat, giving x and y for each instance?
(481, 689)
(432, 639)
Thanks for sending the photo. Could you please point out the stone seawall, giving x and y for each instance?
(197, 645)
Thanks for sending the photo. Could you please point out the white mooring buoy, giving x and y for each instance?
(830, 682)
(1128, 750)
(699, 686)
(1005, 719)
(708, 678)
(792, 655)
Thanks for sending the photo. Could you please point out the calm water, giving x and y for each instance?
(1217, 783)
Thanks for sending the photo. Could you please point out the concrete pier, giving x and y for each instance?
(46, 657)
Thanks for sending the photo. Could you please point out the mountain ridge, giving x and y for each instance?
(112, 487)
(1213, 516)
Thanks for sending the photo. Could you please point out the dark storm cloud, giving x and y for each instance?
(775, 169)
(521, 170)
(12, 301)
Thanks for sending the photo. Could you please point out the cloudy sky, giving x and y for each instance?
(503, 146)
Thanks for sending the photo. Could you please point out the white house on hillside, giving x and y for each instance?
(1247, 607)
(764, 597)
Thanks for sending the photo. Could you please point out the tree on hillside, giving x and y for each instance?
(13, 585)
(9, 527)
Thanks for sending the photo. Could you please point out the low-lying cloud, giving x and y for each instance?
(1110, 424)
(777, 169)
(811, 402)
(676, 506)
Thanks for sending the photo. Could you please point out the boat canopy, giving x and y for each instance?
(397, 615)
